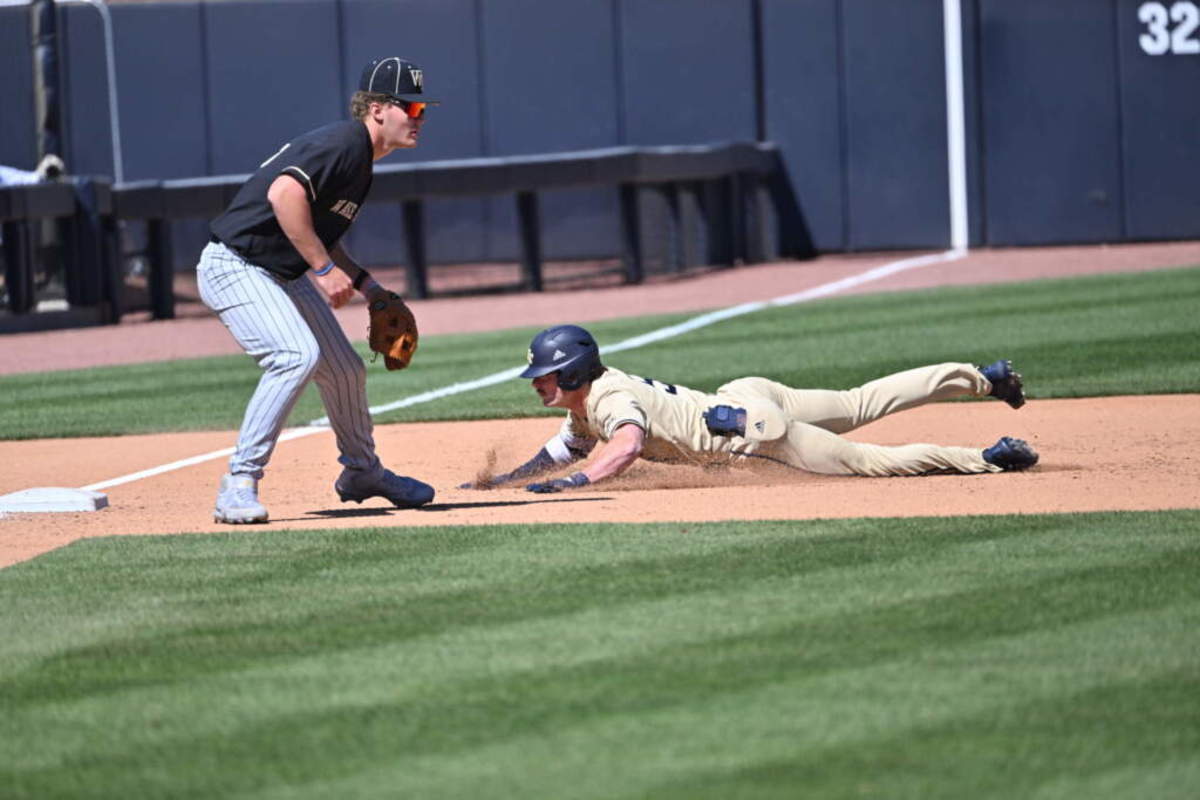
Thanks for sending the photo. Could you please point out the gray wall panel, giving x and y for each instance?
(687, 71)
(160, 64)
(550, 85)
(803, 109)
(1050, 122)
(895, 124)
(1075, 133)
(550, 75)
(273, 73)
(18, 140)
(85, 92)
(1160, 118)
(441, 37)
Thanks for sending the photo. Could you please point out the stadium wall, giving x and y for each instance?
(1080, 121)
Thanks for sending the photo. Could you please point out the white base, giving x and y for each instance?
(52, 498)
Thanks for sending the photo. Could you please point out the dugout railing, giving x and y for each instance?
(86, 268)
(745, 204)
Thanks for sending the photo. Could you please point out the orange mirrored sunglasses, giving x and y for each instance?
(413, 110)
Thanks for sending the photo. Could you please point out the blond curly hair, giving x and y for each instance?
(361, 102)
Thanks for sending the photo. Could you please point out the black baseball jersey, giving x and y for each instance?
(333, 164)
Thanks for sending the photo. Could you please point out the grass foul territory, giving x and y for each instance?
(998, 657)
(1090, 336)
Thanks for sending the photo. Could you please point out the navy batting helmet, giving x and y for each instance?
(568, 350)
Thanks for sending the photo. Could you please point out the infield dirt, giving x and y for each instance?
(1123, 453)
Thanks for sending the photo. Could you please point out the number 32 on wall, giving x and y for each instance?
(1160, 39)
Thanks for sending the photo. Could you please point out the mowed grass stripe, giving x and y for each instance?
(819, 602)
(721, 740)
(1096, 335)
(448, 581)
(1007, 751)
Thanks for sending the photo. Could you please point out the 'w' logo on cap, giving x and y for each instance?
(416, 77)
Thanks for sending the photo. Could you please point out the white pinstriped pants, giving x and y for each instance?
(289, 329)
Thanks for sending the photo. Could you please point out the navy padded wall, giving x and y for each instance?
(1161, 122)
(897, 192)
(160, 90)
(687, 77)
(1052, 161)
(273, 74)
(18, 140)
(85, 91)
(440, 36)
(687, 71)
(803, 109)
(160, 68)
(164, 123)
(549, 78)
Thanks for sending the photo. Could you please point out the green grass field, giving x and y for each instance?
(1048, 656)
(985, 657)
(1111, 334)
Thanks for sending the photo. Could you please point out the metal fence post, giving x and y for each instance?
(416, 266)
(531, 245)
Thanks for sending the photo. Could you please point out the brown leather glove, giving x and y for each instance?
(393, 330)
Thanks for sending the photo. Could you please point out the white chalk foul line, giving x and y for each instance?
(824, 290)
(291, 433)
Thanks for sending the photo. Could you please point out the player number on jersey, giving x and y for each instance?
(1170, 29)
(669, 388)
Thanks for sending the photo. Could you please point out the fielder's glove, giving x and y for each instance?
(558, 484)
(393, 330)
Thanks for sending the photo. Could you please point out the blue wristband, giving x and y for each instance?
(325, 270)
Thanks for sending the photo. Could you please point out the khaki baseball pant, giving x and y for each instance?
(810, 419)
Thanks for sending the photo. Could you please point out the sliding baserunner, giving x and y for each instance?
(748, 418)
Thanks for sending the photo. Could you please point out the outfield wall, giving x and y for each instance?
(1080, 120)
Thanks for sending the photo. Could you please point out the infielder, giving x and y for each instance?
(746, 418)
(274, 269)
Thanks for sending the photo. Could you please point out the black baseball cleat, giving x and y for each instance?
(403, 492)
(1011, 455)
(1006, 382)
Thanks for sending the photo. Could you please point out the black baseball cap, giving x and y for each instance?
(396, 78)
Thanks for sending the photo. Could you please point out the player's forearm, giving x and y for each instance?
(540, 463)
(609, 465)
(554, 454)
(291, 209)
(616, 456)
(362, 279)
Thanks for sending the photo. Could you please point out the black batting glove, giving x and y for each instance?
(558, 484)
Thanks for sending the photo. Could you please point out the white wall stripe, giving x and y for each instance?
(956, 125)
(824, 290)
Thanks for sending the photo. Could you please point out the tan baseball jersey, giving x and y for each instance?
(669, 414)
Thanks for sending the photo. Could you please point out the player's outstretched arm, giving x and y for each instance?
(614, 457)
(554, 454)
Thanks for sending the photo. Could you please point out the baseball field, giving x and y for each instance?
(677, 633)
